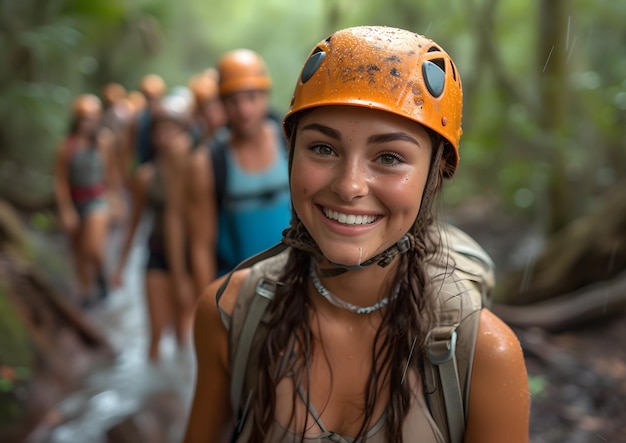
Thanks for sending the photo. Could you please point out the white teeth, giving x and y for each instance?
(350, 219)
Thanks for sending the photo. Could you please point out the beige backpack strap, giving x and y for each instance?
(264, 294)
(464, 286)
(441, 345)
(254, 298)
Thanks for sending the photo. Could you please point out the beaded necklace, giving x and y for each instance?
(336, 301)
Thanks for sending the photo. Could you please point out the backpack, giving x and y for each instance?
(465, 286)
(218, 147)
(239, 202)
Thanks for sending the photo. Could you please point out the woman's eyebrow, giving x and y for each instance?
(326, 130)
(373, 139)
(392, 136)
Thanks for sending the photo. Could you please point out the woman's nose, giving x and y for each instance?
(351, 181)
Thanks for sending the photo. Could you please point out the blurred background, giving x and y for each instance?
(540, 185)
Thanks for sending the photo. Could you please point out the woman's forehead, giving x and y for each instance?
(366, 119)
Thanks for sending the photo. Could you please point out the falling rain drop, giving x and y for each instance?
(571, 50)
(545, 66)
(528, 271)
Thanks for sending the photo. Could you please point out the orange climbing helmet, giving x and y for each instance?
(240, 70)
(389, 69)
(112, 92)
(138, 101)
(86, 105)
(204, 85)
(152, 85)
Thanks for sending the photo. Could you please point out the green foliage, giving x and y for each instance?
(537, 385)
(42, 221)
(15, 360)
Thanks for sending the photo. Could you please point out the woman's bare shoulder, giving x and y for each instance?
(211, 415)
(498, 350)
(210, 325)
(496, 339)
(499, 405)
(208, 303)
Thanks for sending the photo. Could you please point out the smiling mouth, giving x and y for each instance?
(349, 219)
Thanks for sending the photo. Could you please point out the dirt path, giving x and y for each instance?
(578, 379)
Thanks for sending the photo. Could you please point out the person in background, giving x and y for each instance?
(155, 184)
(115, 117)
(153, 87)
(341, 353)
(238, 185)
(209, 115)
(137, 101)
(82, 173)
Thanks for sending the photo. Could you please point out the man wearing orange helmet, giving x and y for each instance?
(238, 192)
(82, 175)
(360, 316)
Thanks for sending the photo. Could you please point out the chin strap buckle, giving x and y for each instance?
(404, 244)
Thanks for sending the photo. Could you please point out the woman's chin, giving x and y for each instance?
(347, 257)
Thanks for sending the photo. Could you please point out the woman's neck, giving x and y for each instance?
(365, 288)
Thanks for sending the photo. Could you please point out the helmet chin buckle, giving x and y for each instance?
(383, 259)
(404, 244)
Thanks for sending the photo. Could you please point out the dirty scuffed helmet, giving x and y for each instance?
(388, 69)
(241, 70)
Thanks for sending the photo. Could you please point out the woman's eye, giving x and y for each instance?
(323, 150)
(390, 159)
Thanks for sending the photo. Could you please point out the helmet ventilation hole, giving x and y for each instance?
(434, 76)
(453, 69)
(312, 64)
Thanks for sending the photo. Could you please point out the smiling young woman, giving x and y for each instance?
(360, 177)
(342, 352)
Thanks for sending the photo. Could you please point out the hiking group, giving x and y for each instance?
(152, 152)
(329, 301)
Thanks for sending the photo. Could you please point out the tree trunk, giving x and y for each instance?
(552, 53)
